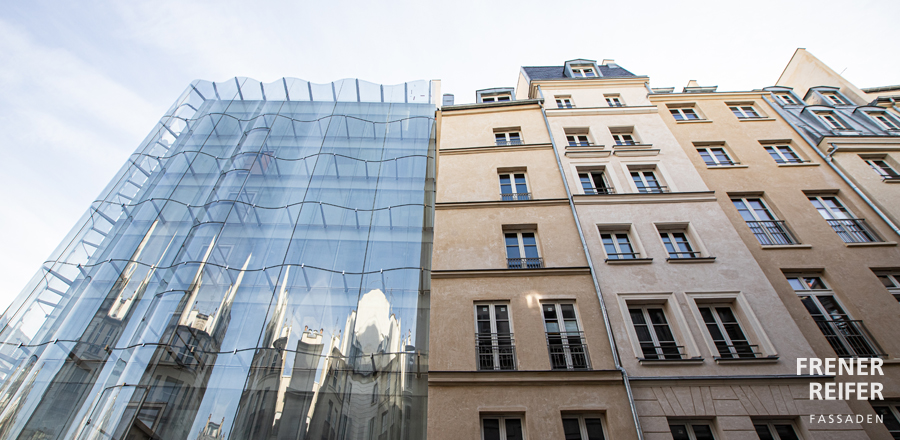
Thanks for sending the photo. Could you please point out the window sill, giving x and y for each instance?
(629, 261)
(655, 362)
(802, 164)
(691, 260)
(693, 121)
(761, 360)
(716, 167)
(786, 246)
(872, 244)
(755, 119)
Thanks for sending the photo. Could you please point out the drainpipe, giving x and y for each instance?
(587, 254)
(834, 167)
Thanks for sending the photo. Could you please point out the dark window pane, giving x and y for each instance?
(679, 432)
(514, 429)
(571, 429)
(594, 429)
(491, 429)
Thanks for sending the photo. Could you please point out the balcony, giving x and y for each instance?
(653, 189)
(524, 263)
(597, 191)
(515, 196)
(853, 230)
(849, 338)
(772, 232)
(496, 351)
(662, 352)
(568, 351)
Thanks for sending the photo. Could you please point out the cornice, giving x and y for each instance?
(527, 377)
(859, 142)
(503, 273)
(500, 204)
(671, 97)
(585, 111)
(637, 198)
(495, 148)
(492, 107)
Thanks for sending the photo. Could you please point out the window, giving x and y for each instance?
(684, 114)
(762, 222)
(502, 428)
(582, 427)
(618, 246)
(578, 140)
(614, 100)
(848, 338)
(514, 187)
(744, 111)
(691, 431)
(384, 422)
(831, 121)
(778, 430)
(654, 335)
(508, 138)
(564, 102)
(494, 337)
(583, 72)
(891, 281)
(623, 139)
(887, 122)
(786, 98)
(726, 332)
(883, 169)
(646, 182)
(851, 230)
(522, 251)
(565, 340)
(594, 182)
(678, 245)
(834, 99)
(891, 415)
(496, 98)
(715, 156)
(783, 154)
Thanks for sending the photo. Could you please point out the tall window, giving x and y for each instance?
(614, 100)
(565, 340)
(618, 246)
(842, 221)
(522, 251)
(514, 187)
(508, 138)
(783, 154)
(883, 169)
(502, 428)
(762, 222)
(786, 98)
(714, 156)
(887, 122)
(691, 430)
(654, 335)
(775, 430)
(583, 72)
(494, 337)
(831, 121)
(564, 102)
(677, 244)
(744, 111)
(582, 427)
(848, 337)
(726, 332)
(594, 182)
(578, 140)
(684, 114)
(891, 281)
(646, 182)
(891, 415)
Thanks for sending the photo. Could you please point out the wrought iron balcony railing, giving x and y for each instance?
(853, 230)
(772, 232)
(683, 255)
(653, 189)
(849, 338)
(722, 163)
(515, 196)
(525, 263)
(568, 351)
(737, 351)
(596, 191)
(623, 256)
(510, 142)
(662, 352)
(496, 351)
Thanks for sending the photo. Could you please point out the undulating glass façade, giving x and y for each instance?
(259, 269)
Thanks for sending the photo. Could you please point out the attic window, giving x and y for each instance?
(497, 98)
(583, 72)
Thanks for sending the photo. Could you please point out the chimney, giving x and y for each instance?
(448, 99)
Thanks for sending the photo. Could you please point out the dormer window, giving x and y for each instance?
(497, 98)
(834, 98)
(786, 98)
(884, 120)
(583, 72)
(831, 121)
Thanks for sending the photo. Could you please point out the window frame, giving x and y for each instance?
(716, 163)
(577, 140)
(893, 410)
(614, 100)
(682, 114)
(790, 98)
(884, 119)
(514, 185)
(745, 111)
(689, 427)
(773, 229)
(614, 233)
(782, 158)
(641, 172)
(564, 101)
(660, 350)
(885, 170)
(502, 424)
(582, 425)
(565, 341)
(733, 351)
(770, 427)
(496, 98)
(581, 71)
(670, 235)
(894, 278)
(835, 123)
(510, 137)
(833, 98)
(520, 237)
(852, 229)
(495, 336)
(589, 173)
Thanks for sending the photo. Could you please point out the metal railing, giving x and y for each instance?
(653, 189)
(737, 351)
(724, 163)
(515, 196)
(853, 230)
(524, 263)
(568, 351)
(496, 351)
(791, 160)
(772, 232)
(849, 338)
(662, 352)
(507, 143)
(596, 191)
(582, 144)
(623, 256)
(683, 255)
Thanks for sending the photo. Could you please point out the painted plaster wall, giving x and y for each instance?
(459, 131)
(886, 195)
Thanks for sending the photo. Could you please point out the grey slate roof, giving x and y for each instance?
(558, 72)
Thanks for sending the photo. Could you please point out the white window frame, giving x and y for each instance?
(515, 195)
(884, 169)
(624, 139)
(745, 111)
(614, 235)
(564, 101)
(561, 324)
(614, 100)
(732, 348)
(521, 245)
(655, 189)
(689, 424)
(604, 179)
(782, 157)
(770, 426)
(834, 99)
(786, 98)
(582, 426)
(773, 232)
(891, 277)
(651, 329)
(716, 160)
(497, 98)
(839, 213)
(886, 122)
(831, 121)
(577, 140)
(502, 418)
(680, 113)
(583, 72)
(511, 137)
(692, 252)
(496, 336)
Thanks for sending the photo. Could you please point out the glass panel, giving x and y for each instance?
(594, 429)
(786, 432)
(679, 432)
(514, 429)
(703, 432)
(762, 430)
(491, 429)
(571, 429)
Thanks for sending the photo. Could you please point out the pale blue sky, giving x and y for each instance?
(82, 83)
